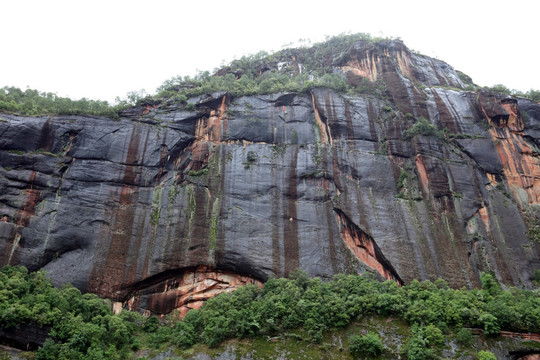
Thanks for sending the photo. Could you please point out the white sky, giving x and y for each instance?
(101, 49)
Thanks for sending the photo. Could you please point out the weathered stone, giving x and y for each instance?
(258, 186)
(24, 337)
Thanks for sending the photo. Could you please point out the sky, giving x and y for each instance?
(104, 49)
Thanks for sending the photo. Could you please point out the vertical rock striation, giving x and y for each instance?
(167, 207)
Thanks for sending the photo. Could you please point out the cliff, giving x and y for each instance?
(414, 178)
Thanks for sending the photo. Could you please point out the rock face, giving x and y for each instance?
(243, 188)
(24, 337)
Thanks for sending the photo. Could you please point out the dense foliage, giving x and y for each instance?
(425, 343)
(532, 94)
(316, 306)
(422, 127)
(369, 344)
(295, 70)
(82, 326)
(32, 102)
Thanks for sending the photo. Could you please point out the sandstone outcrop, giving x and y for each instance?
(166, 207)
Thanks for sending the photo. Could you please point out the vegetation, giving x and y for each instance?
(296, 69)
(201, 172)
(536, 276)
(533, 230)
(251, 159)
(425, 343)
(464, 337)
(261, 73)
(486, 355)
(272, 81)
(370, 345)
(32, 102)
(422, 127)
(82, 326)
(532, 94)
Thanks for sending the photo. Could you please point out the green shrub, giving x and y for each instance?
(533, 231)
(418, 349)
(464, 337)
(499, 88)
(369, 344)
(251, 159)
(186, 332)
(181, 98)
(490, 284)
(433, 336)
(467, 80)
(486, 355)
(80, 324)
(536, 275)
(489, 323)
(422, 127)
(425, 342)
(534, 95)
(151, 324)
(403, 175)
(201, 172)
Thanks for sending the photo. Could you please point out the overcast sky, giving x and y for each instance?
(102, 49)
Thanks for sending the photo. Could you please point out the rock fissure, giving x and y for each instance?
(364, 247)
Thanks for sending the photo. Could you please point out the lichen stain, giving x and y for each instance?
(404, 63)
(325, 136)
(110, 269)
(492, 179)
(148, 108)
(163, 157)
(186, 291)
(290, 228)
(515, 121)
(22, 219)
(422, 173)
(208, 130)
(200, 154)
(365, 67)
(29, 207)
(212, 128)
(445, 115)
(483, 212)
(521, 168)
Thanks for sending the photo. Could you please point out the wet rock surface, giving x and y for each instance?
(26, 337)
(258, 186)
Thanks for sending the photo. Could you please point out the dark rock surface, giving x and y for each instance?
(259, 185)
(24, 337)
